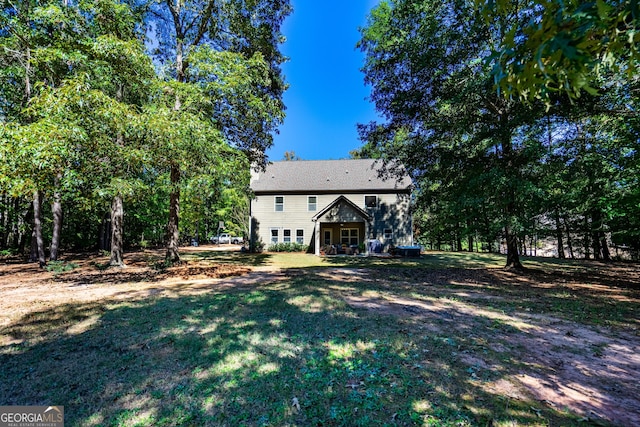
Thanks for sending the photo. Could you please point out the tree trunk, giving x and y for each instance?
(4, 223)
(569, 240)
(117, 231)
(21, 236)
(173, 235)
(37, 254)
(596, 225)
(470, 243)
(513, 260)
(104, 234)
(531, 245)
(56, 210)
(559, 235)
(117, 208)
(586, 242)
(604, 247)
(173, 232)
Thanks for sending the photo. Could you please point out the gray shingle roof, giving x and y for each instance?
(319, 176)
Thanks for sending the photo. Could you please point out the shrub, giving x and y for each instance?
(57, 267)
(288, 247)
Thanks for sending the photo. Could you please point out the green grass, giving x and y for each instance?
(430, 259)
(305, 260)
(246, 356)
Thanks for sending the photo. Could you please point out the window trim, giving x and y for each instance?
(277, 235)
(309, 204)
(387, 236)
(324, 236)
(275, 204)
(350, 236)
(376, 204)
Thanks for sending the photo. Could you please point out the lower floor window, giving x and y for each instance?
(300, 236)
(388, 233)
(274, 235)
(287, 236)
(349, 236)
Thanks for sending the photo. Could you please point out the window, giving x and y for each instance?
(349, 236)
(274, 235)
(327, 237)
(371, 201)
(279, 203)
(312, 203)
(388, 234)
(287, 236)
(300, 236)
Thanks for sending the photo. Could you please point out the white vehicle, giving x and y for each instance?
(226, 238)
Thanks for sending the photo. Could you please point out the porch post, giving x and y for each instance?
(366, 237)
(316, 230)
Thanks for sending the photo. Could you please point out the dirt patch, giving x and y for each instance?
(26, 288)
(589, 369)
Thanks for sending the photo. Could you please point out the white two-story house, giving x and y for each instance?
(324, 203)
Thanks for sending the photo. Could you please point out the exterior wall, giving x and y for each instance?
(392, 212)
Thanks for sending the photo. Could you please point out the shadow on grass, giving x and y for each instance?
(288, 352)
(231, 257)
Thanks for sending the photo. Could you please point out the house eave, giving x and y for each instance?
(324, 191)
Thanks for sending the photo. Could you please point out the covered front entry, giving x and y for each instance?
(341, 227)
(342, 235)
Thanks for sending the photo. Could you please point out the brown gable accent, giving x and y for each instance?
(337, 204)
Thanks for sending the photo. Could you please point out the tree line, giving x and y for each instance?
(518, 120)
(158, 107)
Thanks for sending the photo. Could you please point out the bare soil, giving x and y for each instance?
(592, 370)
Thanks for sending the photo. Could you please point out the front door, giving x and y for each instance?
(326, 237)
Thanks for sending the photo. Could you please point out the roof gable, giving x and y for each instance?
(341, 209)
(320, 176)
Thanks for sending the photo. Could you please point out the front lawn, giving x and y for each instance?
(446, 340)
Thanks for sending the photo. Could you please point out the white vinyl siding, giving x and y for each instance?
(296, 216)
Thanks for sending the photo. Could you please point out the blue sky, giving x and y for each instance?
(327, 95)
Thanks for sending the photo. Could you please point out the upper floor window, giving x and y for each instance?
(279, 203)
(371, 201)
(312, 203)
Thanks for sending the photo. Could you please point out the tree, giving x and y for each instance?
(38, 49)
(426, 64)
(228, 50)
(562, 46)
(290, 156)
